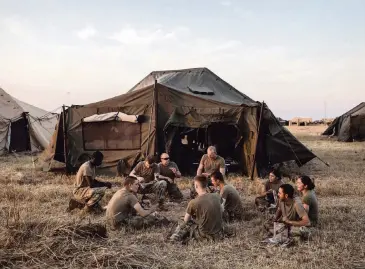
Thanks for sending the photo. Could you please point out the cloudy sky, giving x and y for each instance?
(303, 58)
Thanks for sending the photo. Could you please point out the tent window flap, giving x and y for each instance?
(111, 135)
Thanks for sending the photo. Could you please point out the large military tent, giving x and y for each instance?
(181, 112)
(350, 126)
(24, 127)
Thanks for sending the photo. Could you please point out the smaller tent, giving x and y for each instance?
(350, 126)
(24, 127)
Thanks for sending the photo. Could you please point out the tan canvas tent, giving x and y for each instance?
(24, 127)
(181, 112)
(349, 126)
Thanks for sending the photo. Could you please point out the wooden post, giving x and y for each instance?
(257, 140)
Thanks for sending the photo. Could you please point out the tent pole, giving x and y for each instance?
(257, 141)
(65, 136)
(156, 114)
(152, 113)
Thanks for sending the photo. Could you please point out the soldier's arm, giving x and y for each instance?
(200, 169)
(223, 204)
(303, 222)
(222, 167)
(142, 212)
(222, 170)
(89, 181)
(134, 174)
(278, 214)
(187, 217)
(178, 173)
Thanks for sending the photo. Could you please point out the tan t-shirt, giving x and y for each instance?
(207, 213)
(166, 171)
(147, 173)
(121, 206)
(85, 170)
(233, 204)
(211, 165)
(310, 199)
(273, 186)
(293, 211)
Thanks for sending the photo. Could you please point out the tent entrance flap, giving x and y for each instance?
(19, 135)
(187, 145)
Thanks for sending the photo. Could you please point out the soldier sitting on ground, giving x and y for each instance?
(209, 163)
(269, 191)
(147, 173)
(291, 215)
(306, 187)
(88, 191)
(233, 209)
(169, 171)
(203, 217)
(125, 210)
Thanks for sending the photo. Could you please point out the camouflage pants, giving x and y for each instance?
(136, 222)
(189, 230)
(287, 231)
(158, 188)
(89, 196)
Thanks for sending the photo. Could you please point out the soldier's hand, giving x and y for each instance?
(173, 170)
(140, 179)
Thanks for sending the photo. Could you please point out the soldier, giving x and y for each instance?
(269, 191)
(209, 163)
(125, 210)
(291, 218)
(306, 187)
(233, 209)
(169, 171)
(88, 191)
(203, 217)
(147, 173)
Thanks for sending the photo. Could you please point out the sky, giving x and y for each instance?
(303, 58)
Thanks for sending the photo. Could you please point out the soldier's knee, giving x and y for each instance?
(163, 184)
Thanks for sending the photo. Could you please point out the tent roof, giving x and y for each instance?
(200, 82)
(11, 108)
(355, 110)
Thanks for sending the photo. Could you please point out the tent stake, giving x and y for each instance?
(257, 141)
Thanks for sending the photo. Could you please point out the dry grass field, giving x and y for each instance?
(37, 232)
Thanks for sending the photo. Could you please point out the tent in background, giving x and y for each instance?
(181, 112)
(349, 126)
(24, 127)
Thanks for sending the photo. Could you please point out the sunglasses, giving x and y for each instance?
(165, 159)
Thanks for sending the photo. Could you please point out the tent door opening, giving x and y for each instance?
(188, 145)
(19, 136)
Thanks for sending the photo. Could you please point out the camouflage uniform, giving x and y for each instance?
(85, 193)
(156, 187)
(89, 196)
(172, 189)
(189, 230)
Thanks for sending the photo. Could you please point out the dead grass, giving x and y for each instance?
(37, 232)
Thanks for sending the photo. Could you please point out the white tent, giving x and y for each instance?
(24, 127)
